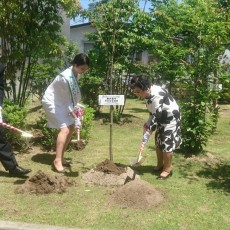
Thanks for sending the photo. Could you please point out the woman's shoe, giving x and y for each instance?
(56, 170)
(165, 177)
(155, 169)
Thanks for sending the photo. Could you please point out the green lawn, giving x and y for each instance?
(196, 196)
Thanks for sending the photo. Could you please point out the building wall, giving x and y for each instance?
(77, 34)
(65, 28)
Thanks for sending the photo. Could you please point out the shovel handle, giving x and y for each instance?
(141, 148)
(78, 134)
(15, 129)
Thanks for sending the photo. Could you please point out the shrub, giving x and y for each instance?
(48, 140)
(87, 122)
(91, 87)
(196, 128)
(15, 116)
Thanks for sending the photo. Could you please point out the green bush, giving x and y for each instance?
(196, 128)
(91, 87)
(15, 116)
(48, 140)
(225, 92)
(87, 122)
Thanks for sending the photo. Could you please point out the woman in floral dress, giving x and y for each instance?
(164, 119)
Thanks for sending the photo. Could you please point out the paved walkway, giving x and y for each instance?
(7, 225)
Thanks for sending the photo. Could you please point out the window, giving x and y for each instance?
(87, 46)
(138, 56)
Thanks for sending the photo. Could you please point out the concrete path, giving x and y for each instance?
(7, 225)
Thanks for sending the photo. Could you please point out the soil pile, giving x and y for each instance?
(108, 166)
(137, 194)
(41, 183)
(79, 144)
(108, 173)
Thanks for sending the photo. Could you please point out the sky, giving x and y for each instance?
(85, 3)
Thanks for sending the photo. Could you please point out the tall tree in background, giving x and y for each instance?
(30, 31)
(190, 36)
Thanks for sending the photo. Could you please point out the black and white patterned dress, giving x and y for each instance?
(164, 118)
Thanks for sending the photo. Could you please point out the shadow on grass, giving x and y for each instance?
(143, 169)
(19, 179)
(47, 159)
(35, 109)
(71, 173)
(138, 110)
(219, 176)
(4, 174)
(208, 167)
(43, 158)
(105, 118)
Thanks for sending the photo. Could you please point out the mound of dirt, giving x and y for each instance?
(107, 173)
(41, 183)
(110, 167)
(137, 194)
(78, 144)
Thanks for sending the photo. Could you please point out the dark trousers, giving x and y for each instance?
(7, 157)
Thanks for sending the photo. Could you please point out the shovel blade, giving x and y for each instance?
(27, 135)
(137, 162)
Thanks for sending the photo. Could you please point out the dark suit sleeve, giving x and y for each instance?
(2, 68)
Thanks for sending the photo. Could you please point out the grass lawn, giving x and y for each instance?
(196, 196)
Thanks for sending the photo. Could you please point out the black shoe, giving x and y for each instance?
(19, 171)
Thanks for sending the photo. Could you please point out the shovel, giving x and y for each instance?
(79, 143)
(24, 134)
(140, 159)
(78, 137)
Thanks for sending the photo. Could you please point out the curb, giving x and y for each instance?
(7, 225)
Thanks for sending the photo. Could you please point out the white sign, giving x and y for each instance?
(111, 99)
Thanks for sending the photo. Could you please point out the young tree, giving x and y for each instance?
(121, 28)
(118, 36)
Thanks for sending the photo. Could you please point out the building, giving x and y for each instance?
(77, 34)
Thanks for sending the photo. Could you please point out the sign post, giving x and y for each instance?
(111, 100)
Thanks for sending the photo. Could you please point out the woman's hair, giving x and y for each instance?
(141, 82)
(81, 59)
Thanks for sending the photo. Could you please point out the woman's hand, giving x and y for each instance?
(73, 114)
(146, 127)
(77, 122)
